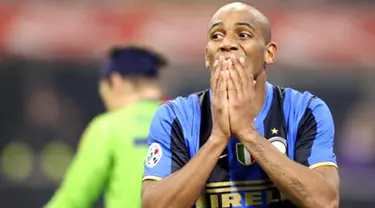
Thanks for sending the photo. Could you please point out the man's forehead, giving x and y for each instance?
(236, 15)
(236, 12)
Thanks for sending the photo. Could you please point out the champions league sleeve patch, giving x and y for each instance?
(153, 155)
(279, 143)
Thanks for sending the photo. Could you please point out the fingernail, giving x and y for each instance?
(223, 66)
(216, 62)
(233, 56)
(242, 60)
(230, 63)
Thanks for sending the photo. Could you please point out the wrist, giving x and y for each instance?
(219, 138)
(249, 134)
(219, 135)
(215, 148)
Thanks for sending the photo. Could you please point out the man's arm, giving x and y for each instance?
(171, 178)
(184, 179)
(313, 180)
(86, 177)
(183, 188)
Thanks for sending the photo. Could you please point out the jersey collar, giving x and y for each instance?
(267, 103)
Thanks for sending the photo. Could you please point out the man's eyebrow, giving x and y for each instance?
(237, 23)
(216, 24)
(246, 24)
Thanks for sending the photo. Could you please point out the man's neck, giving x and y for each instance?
(125, 101)
(150, 94)
(132, 98)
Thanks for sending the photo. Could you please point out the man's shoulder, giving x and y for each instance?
(298, 99)
(110, 118)
(101, 120)
(298, 104)
(183, 103)
(184, 108)
(186, 100)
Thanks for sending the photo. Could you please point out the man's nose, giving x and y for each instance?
(228, 44)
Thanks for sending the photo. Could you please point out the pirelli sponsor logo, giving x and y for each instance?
(238, 194)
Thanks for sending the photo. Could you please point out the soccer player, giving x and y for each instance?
(244, 142)
(112, 151)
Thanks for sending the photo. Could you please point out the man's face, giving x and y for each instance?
(237, 31)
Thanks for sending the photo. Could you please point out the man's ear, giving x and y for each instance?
(116, 79)
(270, 53)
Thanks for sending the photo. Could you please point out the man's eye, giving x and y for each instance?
(217, 36)
(244, 35)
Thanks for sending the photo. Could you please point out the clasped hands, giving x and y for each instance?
(233, 99)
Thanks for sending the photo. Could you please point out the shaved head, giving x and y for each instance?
(258, 17)
(240, 30)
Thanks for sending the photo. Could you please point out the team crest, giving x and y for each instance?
(243, 156)
(279, 143)
(153, 155)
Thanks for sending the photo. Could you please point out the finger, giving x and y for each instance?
(232, 91)
(222, 86)
(221, 97)
(217, 67)
(233, 75)
(214, 75)
(248, 72)
(241, 73)
(225, 94)
(245, 66)
(249, 76)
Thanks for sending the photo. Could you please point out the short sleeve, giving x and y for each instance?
(315, 138)
(167, 150)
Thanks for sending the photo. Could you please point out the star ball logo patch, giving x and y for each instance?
(279, 143)
(153, 155)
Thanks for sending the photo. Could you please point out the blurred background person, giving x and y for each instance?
(112, 151)
(50, 52)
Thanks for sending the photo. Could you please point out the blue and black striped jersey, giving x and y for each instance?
(299, 124)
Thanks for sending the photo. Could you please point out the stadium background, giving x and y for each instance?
(50, 52)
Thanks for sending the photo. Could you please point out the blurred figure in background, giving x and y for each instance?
(111, 153)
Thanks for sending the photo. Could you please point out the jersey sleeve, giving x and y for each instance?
(167, 151)
(315, 138)
(84, 181)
